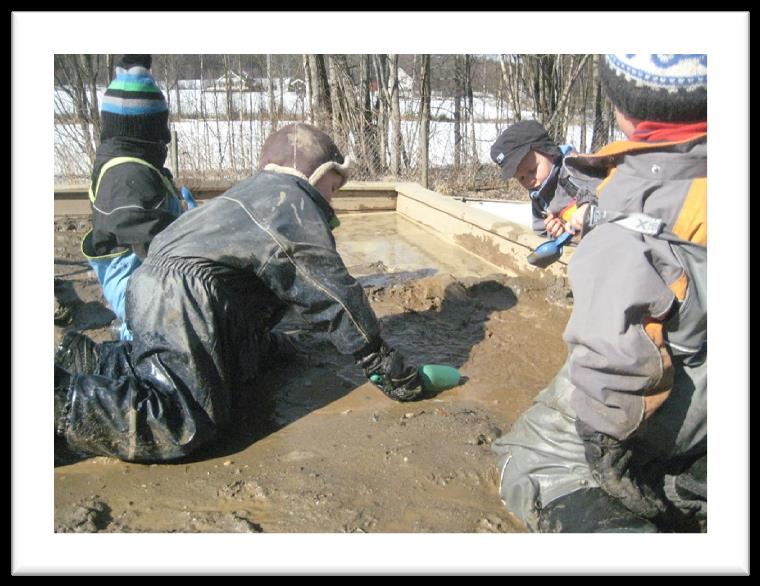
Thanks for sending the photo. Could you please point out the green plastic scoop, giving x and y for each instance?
(434, 377)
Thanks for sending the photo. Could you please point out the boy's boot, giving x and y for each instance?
(688, 492)
(590, 510)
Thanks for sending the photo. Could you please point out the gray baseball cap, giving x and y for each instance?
(517, 141)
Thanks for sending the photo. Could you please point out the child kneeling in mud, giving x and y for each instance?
(203, 303)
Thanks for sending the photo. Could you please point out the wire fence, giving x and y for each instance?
(381, 113)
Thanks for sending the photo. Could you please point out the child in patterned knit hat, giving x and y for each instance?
(132, 194)
(618, 440)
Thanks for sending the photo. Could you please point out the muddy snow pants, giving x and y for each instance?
(171, 389)
(542, 459)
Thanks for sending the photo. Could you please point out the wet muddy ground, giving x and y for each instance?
(316, 448)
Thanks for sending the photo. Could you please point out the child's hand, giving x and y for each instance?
(554, 225)
(576, 222)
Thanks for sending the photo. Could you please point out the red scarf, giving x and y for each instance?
(667, 131)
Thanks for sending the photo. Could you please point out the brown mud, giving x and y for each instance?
(316, 448)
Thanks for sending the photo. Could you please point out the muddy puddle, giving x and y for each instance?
(318, 449)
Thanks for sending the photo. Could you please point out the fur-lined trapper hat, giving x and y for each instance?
(303, 150)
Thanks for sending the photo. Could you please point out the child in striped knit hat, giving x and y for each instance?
(132, 194)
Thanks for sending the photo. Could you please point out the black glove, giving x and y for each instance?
(385, 367)
(611, 467)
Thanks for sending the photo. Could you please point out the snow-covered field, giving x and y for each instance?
(221, 149)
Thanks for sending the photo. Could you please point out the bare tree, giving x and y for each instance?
(322, 116)
(203, 110)
(583, 111)
(337, 122)
(169, 64)
(367, 133)
(76, 77)
(307, 77)
(470, 112)
(382, 107)
(241, 140)
(425, 120)
(395, 116)
(230, 107)
(220, 150)
(557, 122)
(272, 116)
(511, 78)
(598, 136)
(458, 91)
(281, 108)
(611, 125)
(254, 163)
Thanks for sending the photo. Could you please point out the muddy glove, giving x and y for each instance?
(385, 367)
(77, 354)
(610, 462)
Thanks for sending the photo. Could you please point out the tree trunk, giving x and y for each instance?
(457, 112)
(109, 67)
(367, 132)
(307, 77)
(175, 82)
(272, 114)
(506, 82)
(337, 123)
(168, 87)
(203, 115)
(611, 123)
(382, 109)
(557, 122)
(281, 108)
(241, 138)
(425, 121)
(321, 92)
(82, 104)
(230, 111)
(254, 162)
(395, 116)
(220, 150)
(471, 108)
(598, 138)
(92, 71)
(584, 104)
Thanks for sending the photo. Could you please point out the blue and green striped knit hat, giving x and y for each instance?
(133, 105)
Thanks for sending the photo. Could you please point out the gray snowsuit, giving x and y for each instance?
(637, 337)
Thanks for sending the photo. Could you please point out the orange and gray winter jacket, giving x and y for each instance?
(640, 308)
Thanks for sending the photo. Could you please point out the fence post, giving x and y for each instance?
(174, 153)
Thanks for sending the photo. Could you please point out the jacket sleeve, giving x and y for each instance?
(304, 270)
(619, 364)
(130, 204)
(573, 189)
